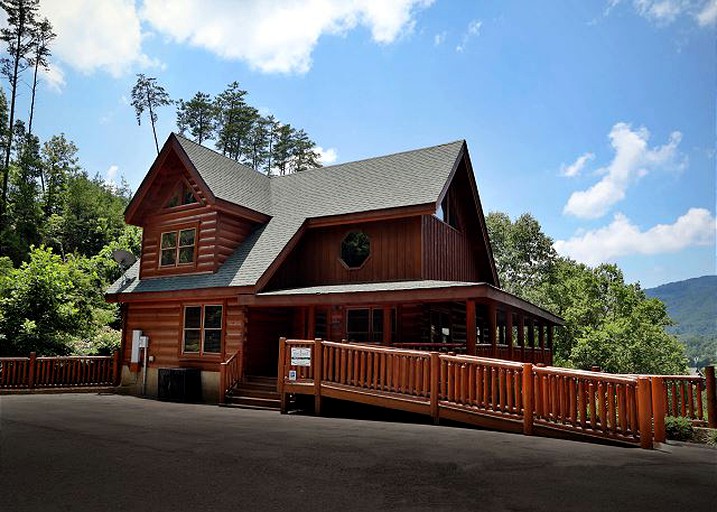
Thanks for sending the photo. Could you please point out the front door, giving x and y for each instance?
(265, 327)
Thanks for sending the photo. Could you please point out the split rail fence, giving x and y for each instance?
(494, 393)
(35, 372)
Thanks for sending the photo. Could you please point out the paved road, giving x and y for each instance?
(104, 452)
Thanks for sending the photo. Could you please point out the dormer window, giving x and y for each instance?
(178, 247)
(183, 195)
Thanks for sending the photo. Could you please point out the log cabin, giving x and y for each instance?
(391, 250)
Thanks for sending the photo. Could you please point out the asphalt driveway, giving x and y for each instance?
(106, 452)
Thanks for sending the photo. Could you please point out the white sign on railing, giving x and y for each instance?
(300, 356)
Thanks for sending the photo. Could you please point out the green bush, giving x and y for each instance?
(712, 438)
(679, 428)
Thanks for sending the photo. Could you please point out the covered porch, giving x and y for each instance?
(450, 317)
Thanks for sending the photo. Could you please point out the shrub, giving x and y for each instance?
(678, 428)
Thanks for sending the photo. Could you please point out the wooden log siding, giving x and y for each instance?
(59, 372)
(218, 235)
(518, 397)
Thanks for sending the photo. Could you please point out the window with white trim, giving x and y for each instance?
(202, 330)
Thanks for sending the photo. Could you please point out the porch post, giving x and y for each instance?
(521, 336)
(311, 321)
(531, 339)
(492, 327)
(541, 340)
(509, 333)
(550, 343)
(471, 327)
(387, 326)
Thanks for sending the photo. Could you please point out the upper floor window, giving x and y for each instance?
(202, 330)
(446, 212)
(182, 195)
(355, 249)
(178, 247)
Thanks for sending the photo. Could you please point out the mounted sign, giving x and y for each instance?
(292, 374)
(300, 356)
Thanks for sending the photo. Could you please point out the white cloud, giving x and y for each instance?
(279, 36)
(94, 35)
(633, 159)
(665, 12)
(662, 12)
(53, 77)
(708, 14)
(577, 166)
(622, 238)
(438, 39)
(111, 176)
(326, 156)
(473, 30)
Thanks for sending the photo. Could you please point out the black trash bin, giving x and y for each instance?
(180, 384)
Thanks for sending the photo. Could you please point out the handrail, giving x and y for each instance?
(229, 375)
(625, 408)
(59, 371)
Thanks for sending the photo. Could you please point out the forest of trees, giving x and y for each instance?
(59, 226)
(609, 323)
(238, 130)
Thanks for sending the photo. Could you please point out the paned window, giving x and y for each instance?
(178, 247)
(365, 325)
(202, 329)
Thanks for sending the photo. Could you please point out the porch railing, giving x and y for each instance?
(490, 392)
(59, 372)
(229, 375)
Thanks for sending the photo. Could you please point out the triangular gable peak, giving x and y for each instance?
(172, 184)
(460, 207)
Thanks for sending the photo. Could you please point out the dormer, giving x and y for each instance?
(187, 229)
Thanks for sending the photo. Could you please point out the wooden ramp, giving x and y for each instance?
(491, 393)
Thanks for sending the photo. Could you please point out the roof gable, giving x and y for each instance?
(407, 179)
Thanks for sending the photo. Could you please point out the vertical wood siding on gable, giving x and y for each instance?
(395, 255)
(447, 253)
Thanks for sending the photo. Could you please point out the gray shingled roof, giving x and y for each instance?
(402, 179)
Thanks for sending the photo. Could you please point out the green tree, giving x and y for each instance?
(231, 107)
(47, 303)
(59, 164)
(198, 116)
(304, 152)
(18, 35)
(148, 95)
(41, 38)
(284, 149)
(608, 322)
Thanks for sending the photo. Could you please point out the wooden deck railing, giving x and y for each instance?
(229, 374)
(59, 372)
(490, 392)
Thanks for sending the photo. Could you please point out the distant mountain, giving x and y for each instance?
(692, 304)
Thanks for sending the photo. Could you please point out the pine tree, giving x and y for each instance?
(42, 37)
(18, 35)
(304, 152)
(148, 95)
(198, 116)
(230, 106)
(283, 149)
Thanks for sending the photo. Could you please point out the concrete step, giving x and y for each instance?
(254, 402)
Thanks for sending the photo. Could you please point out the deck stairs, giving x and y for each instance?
(255, 392)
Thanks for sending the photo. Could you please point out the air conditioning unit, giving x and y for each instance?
(180, 384)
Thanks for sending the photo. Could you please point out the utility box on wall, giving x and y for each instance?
(179, 384)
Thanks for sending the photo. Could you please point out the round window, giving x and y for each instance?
(355, 248)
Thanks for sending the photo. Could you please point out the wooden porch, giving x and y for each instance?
(501, 395)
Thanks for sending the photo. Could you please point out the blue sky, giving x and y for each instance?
(597, 117)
